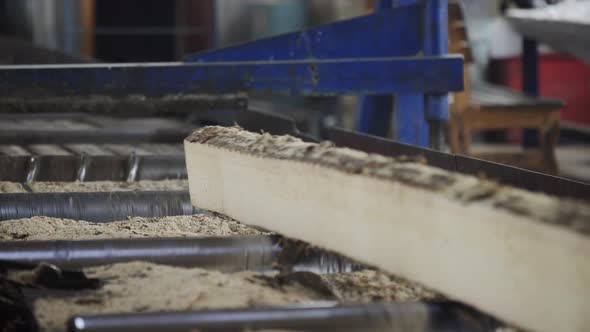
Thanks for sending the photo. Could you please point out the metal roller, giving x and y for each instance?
(221, 253)
(229, 254)
(96, 206)
(406, 317)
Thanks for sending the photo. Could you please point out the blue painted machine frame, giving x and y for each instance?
(401, 49)
(414, 118)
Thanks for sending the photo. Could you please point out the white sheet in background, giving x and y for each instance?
(564, 27)
(569, 10)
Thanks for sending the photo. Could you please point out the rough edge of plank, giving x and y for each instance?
(567, 213)
(526, 264)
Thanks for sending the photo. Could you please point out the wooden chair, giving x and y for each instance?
(483, 106)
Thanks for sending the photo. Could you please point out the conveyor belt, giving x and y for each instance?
(130, 90)
(82, 147)
(88, 167)
(49, 152)
(63, 128)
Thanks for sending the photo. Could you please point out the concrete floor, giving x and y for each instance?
(574, 162)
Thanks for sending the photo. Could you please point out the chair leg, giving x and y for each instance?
(459, 135)
(454, 134)
(548, 139)
(465, 139)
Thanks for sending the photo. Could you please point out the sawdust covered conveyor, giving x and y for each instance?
(257, 253)
(91, 125)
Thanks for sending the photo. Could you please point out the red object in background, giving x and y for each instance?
(198, 14)
(560, 76)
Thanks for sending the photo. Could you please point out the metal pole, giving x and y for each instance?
(373, 115)
(229, 254)
(362, 317)
(96, 206)
(436, 43)
(530, 84)
(529, 73)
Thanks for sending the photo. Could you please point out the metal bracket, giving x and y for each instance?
(418, 118)
(400, 49)
(212, 80)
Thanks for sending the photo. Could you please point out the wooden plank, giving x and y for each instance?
(87, 17)
(13, 150)
(506, 118)
(88, 149)
(163, 149)
(490, 95)
(521, 256)
(48, 150)
(531, 160)
(462, 48)
(455, 10)
(127, 149)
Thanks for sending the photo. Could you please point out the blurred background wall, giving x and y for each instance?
(165, 30)
(161, 30)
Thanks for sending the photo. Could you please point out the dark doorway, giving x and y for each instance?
(135, 30)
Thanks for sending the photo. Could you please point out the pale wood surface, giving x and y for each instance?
(521, 256)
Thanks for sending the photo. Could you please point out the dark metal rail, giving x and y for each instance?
(106, 135)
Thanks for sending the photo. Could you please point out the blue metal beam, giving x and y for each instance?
(373, 113)
(418, 118)
(436, 43)
(386, 33)
(409, 121)
(306, 77)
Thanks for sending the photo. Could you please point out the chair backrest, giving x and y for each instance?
(459, 44)
(458, 37)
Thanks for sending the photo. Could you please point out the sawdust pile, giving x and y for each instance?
(93, 186)
(45, 228)
(12, 187)
(146, 287)
(369, 286)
